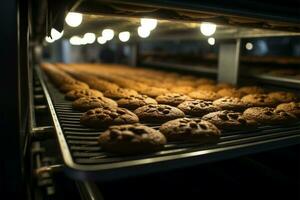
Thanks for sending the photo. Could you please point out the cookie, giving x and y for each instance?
(231, 103)
(251, 90)
(203, 81)
(90, 102)
(267, 115)
(189, 129)
(133, 102)
(283, 97)
(76, 94)
(256, 100)
(105, 117)
(197, 107)
(291, 107)
(158, 113)
(224, 85)
(229, 120)
(119, 93)
(172, 99)
(153, 91)
(230, 92)
(131, 139)
(73, 86)
(182, 89)
(208, 87)
(204, 95)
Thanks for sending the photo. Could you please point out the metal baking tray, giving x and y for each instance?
(84, 159)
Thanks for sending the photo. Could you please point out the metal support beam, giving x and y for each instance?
(228, 66)
(133, 60)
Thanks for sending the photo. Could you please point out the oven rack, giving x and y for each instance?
(84, 159)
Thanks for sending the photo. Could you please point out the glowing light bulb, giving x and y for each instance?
(211, 41)
(124, 36)
(249, 46)
(89, 38)
(73, 19)
(55, 34)
(75, 40)
(108, 34)
(101, 40)
(49, 39)
(150, 24)
(208, 29)
(143, 32)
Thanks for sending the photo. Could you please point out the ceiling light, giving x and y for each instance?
(75, 40)
(124, 36)
(149, 23)
(208, 29)
(101, 40)
(55, 34)
(249, 46)
(143, 32)
(211, 41)
(73, 19)
(108, 34)
(89, 38)
(49, 39)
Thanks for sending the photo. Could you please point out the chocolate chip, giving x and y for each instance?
(223, 117)
(268, 113)
(233, 115)
(203, 126)
(166, 111)
(193, 125)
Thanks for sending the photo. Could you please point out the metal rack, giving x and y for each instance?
(84, 158)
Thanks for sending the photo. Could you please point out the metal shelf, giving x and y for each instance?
(84, 159)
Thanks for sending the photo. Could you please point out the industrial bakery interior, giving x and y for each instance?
(150, 99)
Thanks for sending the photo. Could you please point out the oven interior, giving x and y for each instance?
(63, 159)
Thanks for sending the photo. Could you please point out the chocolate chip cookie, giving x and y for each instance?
(87, 103)
(204, 95)
(283, 97)
(229, 120)
(76, 94)
(191, 130)
(133, 102)
(267, 115)
(292, 107)
(230, 92)
(119, 93)
(153, 91)
(197, 107)
(105, 117)
(73, 86)
(182, 89)
(255, 100)
(231, 103)
(131, 139)
(158, 113)
(172, 99)
(208, 87)
(251, 90)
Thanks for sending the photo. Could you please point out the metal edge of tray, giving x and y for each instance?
(276, 80)
(143, 166)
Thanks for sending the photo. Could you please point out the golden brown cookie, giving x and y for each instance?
(204, 95)
(76, 94)
(259, 100)
(131, 139)
(229, 120)
(119, 93)
(172, 99)
(158, 113)
(105, 117)
(251, 90)
(90, 102)
(231, 103)
(73, 86)
(292, 107)
(190, 129)
(133, 102)
(197, 107)
(230, 92)
(283, 97)
(267, 115)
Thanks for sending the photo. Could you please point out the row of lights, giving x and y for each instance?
(144, 30)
